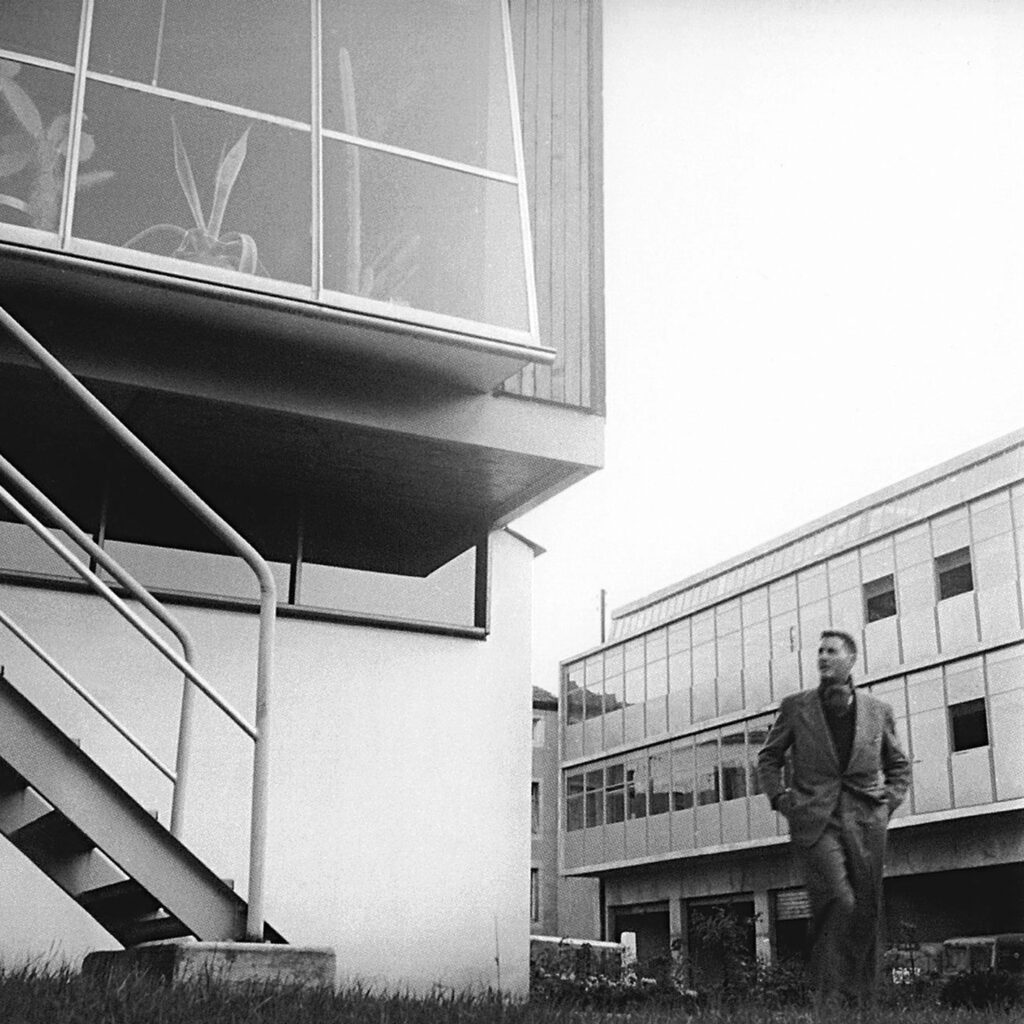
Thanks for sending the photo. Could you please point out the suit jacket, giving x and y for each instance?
(878, 772)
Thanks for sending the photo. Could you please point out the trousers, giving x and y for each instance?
(843, 875)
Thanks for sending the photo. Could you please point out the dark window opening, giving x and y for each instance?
(880, 599)
(969, 724)
(954, 574)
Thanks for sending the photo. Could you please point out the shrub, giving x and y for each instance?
(981, 990)
(572, 976)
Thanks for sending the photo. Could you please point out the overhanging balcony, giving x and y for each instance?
(350, 174)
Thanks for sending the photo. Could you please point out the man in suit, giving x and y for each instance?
(846, 776)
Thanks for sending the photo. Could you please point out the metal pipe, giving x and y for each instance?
(235, 541)
(140, 593)
(65, 554)
(84, 694)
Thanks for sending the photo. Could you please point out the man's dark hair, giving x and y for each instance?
(848, 642)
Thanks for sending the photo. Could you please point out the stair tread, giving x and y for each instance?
(117, 902)
(87, 802)
(149, 929)
(10, 780)
(51, 835)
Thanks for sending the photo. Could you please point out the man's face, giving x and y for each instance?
(834, 661)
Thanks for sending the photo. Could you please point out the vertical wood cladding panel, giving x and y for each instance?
(557, 47)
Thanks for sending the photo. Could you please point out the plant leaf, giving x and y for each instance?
(86, 147)
(93, 178)
(249, 260)
(188, 182)
(16, 152)
(18, 204)
(58, 131)
(227, 173)
(22, 107)
(179, 234)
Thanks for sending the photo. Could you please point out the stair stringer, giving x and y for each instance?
(122, 829)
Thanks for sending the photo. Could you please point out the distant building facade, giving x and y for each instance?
(662, 724)
(562, 906)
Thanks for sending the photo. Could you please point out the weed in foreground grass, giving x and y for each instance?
(61, 996)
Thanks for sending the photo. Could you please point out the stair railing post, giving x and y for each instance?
(256, 915)
(102, 558)
(235, 541)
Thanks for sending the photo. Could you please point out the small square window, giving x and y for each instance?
(953, 573)
(969, 724)
(880, 599)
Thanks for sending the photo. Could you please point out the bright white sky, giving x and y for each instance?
(814, 216)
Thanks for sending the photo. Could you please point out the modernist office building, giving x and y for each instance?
(339, 265)
(662, 724)
(560, 906)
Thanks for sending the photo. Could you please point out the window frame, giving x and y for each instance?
(62, 241)
(969, 709)
(872, 591)
(949, 563)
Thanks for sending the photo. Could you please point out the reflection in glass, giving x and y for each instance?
(416, 235)
(757, 733)
(574, 695)
(42, 28)
(614, 692)
(657, 679)
(425, 75)
(707, 772)
(659, 783)
(636, 789)
(635, 686)
(615, 809)
(682, 776)
(253, 55)
(594, 676)
(34, 138)
(573, 802)
(734, 766)
(199, 185)
(595, 798)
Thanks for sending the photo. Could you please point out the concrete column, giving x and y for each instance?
(679, 932)
(762, 925)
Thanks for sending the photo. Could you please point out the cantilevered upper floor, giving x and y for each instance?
(338, 263)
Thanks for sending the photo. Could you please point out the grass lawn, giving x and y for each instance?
(31, 996)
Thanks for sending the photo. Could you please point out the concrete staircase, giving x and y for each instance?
(92, 839)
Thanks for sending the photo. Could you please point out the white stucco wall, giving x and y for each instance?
(400, 775)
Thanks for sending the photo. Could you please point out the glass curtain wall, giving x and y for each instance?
(360, 155)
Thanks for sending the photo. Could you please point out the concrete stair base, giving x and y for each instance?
(232, 963)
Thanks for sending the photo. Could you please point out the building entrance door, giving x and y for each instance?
(650, 924)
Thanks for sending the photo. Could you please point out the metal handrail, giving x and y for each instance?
(63, 552)
(146, 599)
(82, 692)
(268, 605)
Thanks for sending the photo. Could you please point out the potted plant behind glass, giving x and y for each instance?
(44, 150)
(204, 243)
